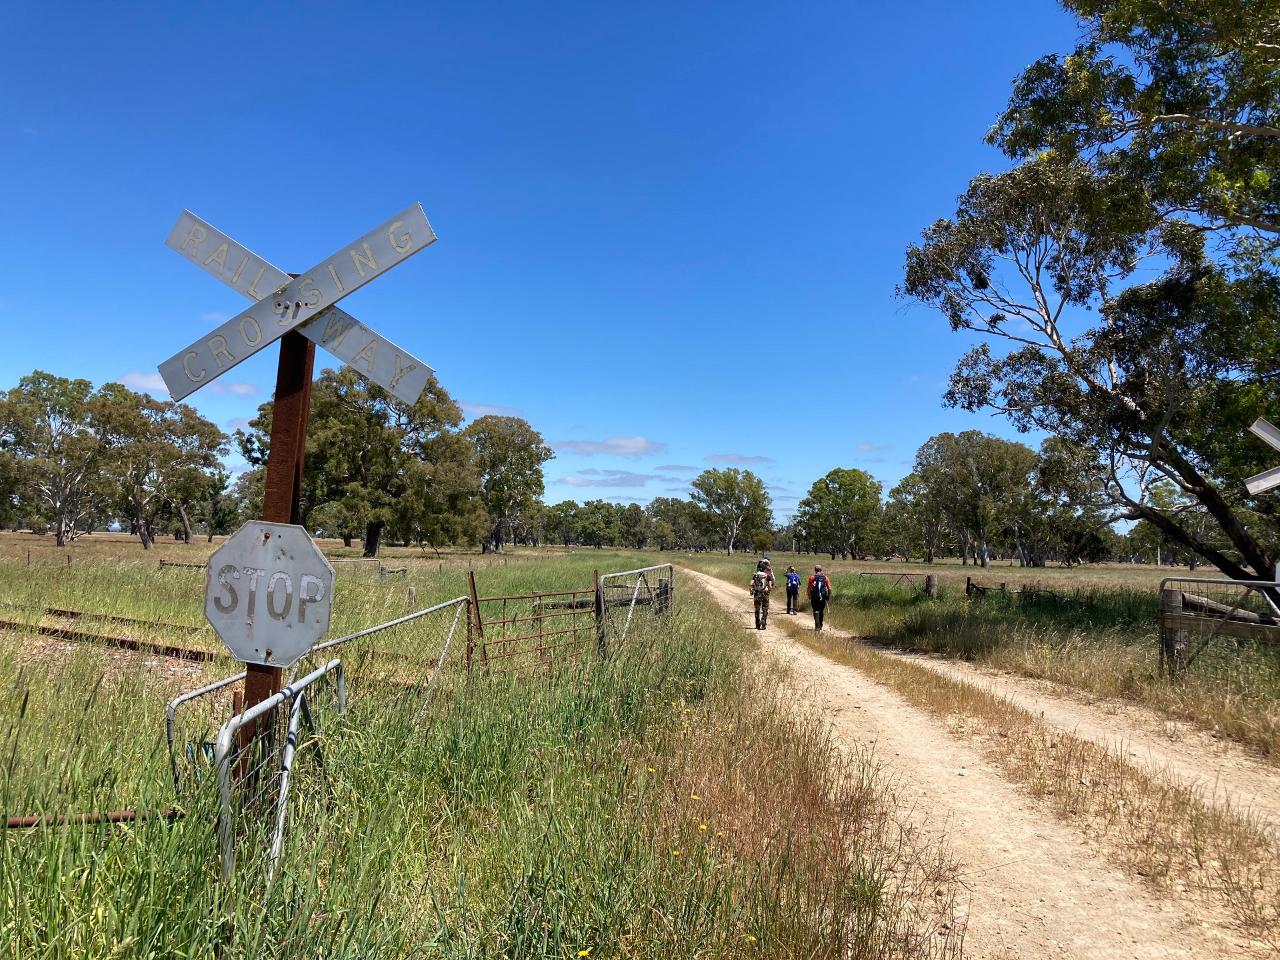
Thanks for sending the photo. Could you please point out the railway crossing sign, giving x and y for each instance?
(269, 593)
(1268, 479)
(306, 302)
(269, 589)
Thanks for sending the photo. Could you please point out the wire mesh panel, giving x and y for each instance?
(1227, 629)
(648, 591)
(402, 657)
(191, 725)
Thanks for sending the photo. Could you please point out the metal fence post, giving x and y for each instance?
(602, 644)
(474, 618)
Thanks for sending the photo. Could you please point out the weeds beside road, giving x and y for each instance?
(660, 803)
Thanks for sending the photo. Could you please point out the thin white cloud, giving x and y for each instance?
(477, 410)
(215, 316)
(151, 383)
(866, 447)
(612, 478)
(233, 388)
(611, 446)
(237, 423)
(740, 459)
(677, 468)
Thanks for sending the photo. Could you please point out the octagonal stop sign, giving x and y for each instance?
(269, 593)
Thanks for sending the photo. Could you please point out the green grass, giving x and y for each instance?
(1100, 638)
(663, 802)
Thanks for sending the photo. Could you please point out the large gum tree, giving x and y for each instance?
(1122, 280)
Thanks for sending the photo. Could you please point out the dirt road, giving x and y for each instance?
(1036, 887)
(1218, 770)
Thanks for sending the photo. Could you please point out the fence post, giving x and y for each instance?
(1173, 636)
(601, 642)
(968, 587)
(474, 617)
(931, 586)
(413, 598)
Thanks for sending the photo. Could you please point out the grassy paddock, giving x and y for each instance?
(662, 802)
(1101, 639)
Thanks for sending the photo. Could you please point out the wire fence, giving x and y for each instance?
(1227, 630)
(649, 590)
(253, 754)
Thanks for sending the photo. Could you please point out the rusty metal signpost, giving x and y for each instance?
(298, 310)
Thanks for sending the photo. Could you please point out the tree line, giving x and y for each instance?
(75, 458)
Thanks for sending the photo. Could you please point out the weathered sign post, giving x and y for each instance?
(268, 596)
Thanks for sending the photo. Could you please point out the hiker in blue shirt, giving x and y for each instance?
(793, 591)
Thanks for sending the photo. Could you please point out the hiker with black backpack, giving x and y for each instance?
(819, 595)
(761, 584)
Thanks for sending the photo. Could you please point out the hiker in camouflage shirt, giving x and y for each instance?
(761, 584)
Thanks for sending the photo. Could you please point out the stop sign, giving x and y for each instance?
(269, 593)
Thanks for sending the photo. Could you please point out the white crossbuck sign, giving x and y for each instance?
(1268, 479)
(305, 302)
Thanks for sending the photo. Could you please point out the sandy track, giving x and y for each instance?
(1036, 887)
(1218, 770)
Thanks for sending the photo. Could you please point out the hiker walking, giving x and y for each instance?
(819, 595)
(761, 584)
(793, 591)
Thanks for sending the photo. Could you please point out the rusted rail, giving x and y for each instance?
(127, 815)
(124, 643)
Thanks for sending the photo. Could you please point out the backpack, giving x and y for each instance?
(760, 582)
(821, 589)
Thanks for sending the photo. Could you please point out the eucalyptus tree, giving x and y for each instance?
(732, 502)
(1161, 377)
(375, 463)
(1179, 102)
(163, 456)
(509, 455)
(55, 451)
(841, 512)
(1152, 146)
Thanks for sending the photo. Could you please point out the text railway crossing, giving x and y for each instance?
(305, 301)
(298, 311)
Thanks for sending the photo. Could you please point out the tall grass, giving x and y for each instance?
(660, 802)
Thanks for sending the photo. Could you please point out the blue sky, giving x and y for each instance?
(669, 232)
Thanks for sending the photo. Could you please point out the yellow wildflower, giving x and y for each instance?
(585, 953)
(751, 938)
(702, 826)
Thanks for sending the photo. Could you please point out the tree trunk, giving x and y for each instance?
(346, 539)
(186, 522)
(372, 538)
